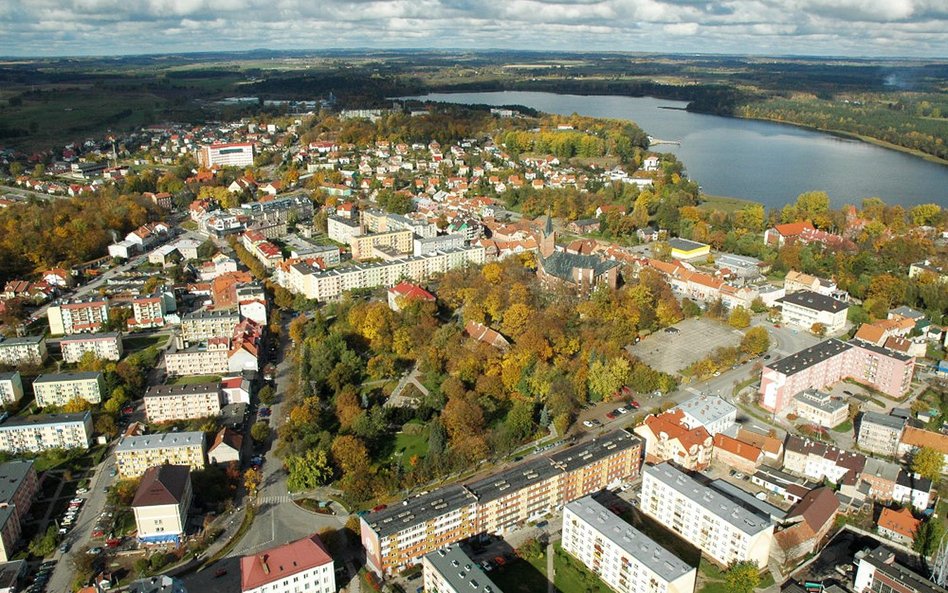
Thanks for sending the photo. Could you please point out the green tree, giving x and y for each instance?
(266, 395)
(741, 577)
(739, 318)
(45, 544)
(260, 431)
(928, 463)
(309, 470)
(927, 537)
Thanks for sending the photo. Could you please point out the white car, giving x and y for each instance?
(591, 423)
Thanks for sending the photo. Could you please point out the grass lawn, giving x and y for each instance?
(409, 445)
(195, 379)
(846, 426)
(725, 204)
(135, 343)
(571, 575)
(520, 576)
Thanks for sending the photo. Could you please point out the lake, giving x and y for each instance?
(762, 161)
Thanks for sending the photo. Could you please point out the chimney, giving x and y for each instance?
(263, 562)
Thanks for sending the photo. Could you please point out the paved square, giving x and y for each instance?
(696, 338)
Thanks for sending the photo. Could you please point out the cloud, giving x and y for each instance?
(837, 27)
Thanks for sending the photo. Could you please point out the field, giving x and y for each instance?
(723, 203)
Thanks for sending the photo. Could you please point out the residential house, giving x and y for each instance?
(161, 504)
(820, 408)
(667, 438)
(167, 403)
(482, 333)
(302, 565)
(23, 350)
(58, 389)
(11, 388)
(813, 517)
(730, 452)
(226, 447)
(805, 309)
(818, 461)
(881, 477)
(771, 447)
(405, 292)
(46, 431)
(19, 486)
(156, 584)
(912, 489)
(708, 411)
(105, 346)
(898, 525)
(880, 433)
(880, 570)
(135, 454)
(914, 439)
(77, 315)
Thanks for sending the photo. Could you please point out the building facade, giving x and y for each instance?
(622, 556)
(77, 316)
(204, 325)
(135, 454)
(11, 388)
(46, 431)
(238, 154)
(161, 504)
(668, 439)
(25, 350)
(165, 403)
(364, 246)
(60, 389)
(880, 433)
(820, 408)
(805, 308)
(302, 565)
(106, 346)
(721, 528)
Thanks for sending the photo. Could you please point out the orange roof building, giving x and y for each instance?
(898, 525)
(668, 439)
(737, 454)
(304, 561)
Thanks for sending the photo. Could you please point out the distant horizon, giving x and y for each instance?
(842, 28)
(488, 50)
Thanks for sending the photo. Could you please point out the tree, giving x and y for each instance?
(349, 453)
(308, 471)
(756, 341)
(45, 544)
(928, 463)
(739, 318)
(741, 577)
(105, 424)
(260, 431)
(76, 405)
(252, 479)
(818, 329)
(927, 537)
(266, 395)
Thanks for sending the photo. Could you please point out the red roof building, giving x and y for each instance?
(405, 292)
(303, 565)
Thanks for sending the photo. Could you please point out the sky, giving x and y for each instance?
(857, 28)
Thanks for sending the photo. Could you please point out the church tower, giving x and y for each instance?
(547, 237)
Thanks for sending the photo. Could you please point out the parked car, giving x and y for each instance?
(621, 410)
(64, 548)
(591, 423)
(220, 572)
(611, 415)
(634, 405)
(95, 551)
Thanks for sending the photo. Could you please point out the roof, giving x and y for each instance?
(45, 419)
(854, 462)
(820, 400)
(187, 389)
(913, 481)
(91, 337)
(21, 341)
(482, 333)
(561, 264)
(411, 291)
(706, 409)
(685, 244)
(58, 377)
(712, 500)
(884, 561)
(916, 437)
(880, 350)
(804, 359)
(815, 301)
(670, 423)
(766, 443)
(870, 332)
(791, 537)
(900, 521)
(884, 420)
(629, 539)
(793, 229)
(226, 436)
(157, 584)
(12, 474)
(747, 499)
(162, 485)
(879, 468)
(281, 562)
(460, 572)
(161, 441)
(735, 447)
(817, 508)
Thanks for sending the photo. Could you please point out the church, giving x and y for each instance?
(582, 273)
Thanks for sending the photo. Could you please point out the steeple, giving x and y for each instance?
(547, 237)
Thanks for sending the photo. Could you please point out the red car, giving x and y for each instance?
(611, 415)
(634, 405)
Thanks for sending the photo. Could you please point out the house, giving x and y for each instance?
(104, 346)
(914, 439)
(796, 281)
(730, 452)
(708, 411)
(804, 309)
(167, 403)
(771, 447)
(23, 350)
(818, 461)
(405, 292)
(683, 249)
(482, 333)
(820, 408)
(584, 226)
(302, 565)
(898, 525)
(667, 438)
(19, 485)
(779, 235)
(161, 504)
(911, 488)
(236, 390)
(880, 570)
(813, 517)
(226, 447)
(880, 433)
(926, 267)
(881, 477)
(647, 234)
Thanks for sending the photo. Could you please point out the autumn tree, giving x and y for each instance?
(927, 537)
(739, 318)
(741, 577)
(76, 405)
(252, 479)
(260, 431)
(756, 341)
(349, 453)
(928, 463)
(309, 470)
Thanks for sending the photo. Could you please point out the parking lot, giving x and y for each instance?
(673, 349)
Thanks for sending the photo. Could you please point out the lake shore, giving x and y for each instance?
(726, 204)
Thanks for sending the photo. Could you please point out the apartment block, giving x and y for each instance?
(622, 556)
(46, 431)
(18, 487)
(24, 350)
(165, 403)
(366, 246)
(77, 316)
(148, 311)
(161, 504)
(830, 361)
(720, 527)
(342, 230)
(880, 433)
(805, 308)
(208, 358)
(60, 388)
(11, 388)
(107, 346)
(438, 243)
(668, 439)
(328, 284)
(204, 325)
(450, 570)
(239, 154)
(820, 408)
(135, 454)
(709, 412)
(399, 536)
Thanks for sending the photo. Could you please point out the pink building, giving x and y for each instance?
(831, 361)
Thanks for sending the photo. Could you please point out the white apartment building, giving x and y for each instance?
(342, 230)
(77, 316)
(59, 388)
(135, 454)
(238, 154)
(203, 325)
(148, 311)
(209, 358)
(25, 350)
(721, 528)
(161, 504)
(708, 411)
(164, 403)
(622, 556)
(46, 431)
(106, 346)
(805, 308)
(303, 565)
(450, 570)
(11, 387)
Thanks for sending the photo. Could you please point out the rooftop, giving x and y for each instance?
(460, 572)
(884, 420)
(706, 409)
(804, 359)
(57, 377)
(188, 389)
(282, 562)
(748, 500)
(900, 521)
(629, 539)
(815, 301)
(880, 350)
(685, 244)
(883, 559)
(162, 485)
(88, 337)
(721, 506)
(44, 419)
(162, 441)
(12, 474)
(21, 341)
(158, 584)
(820, 400)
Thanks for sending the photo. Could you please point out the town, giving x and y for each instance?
(444, 349)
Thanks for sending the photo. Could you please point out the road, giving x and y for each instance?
(81, 533)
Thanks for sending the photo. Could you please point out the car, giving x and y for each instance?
(127, 410)
(766, 357)
(776, 325)
(671, 330)
(113, 472)
(77, 501)
(591, 423)
(98, 532)
(94, 551)
(621, 410)
(634, 405)
(64, 548)
(739, 475)
(847, 392)
(717, 373)
(611, 415)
